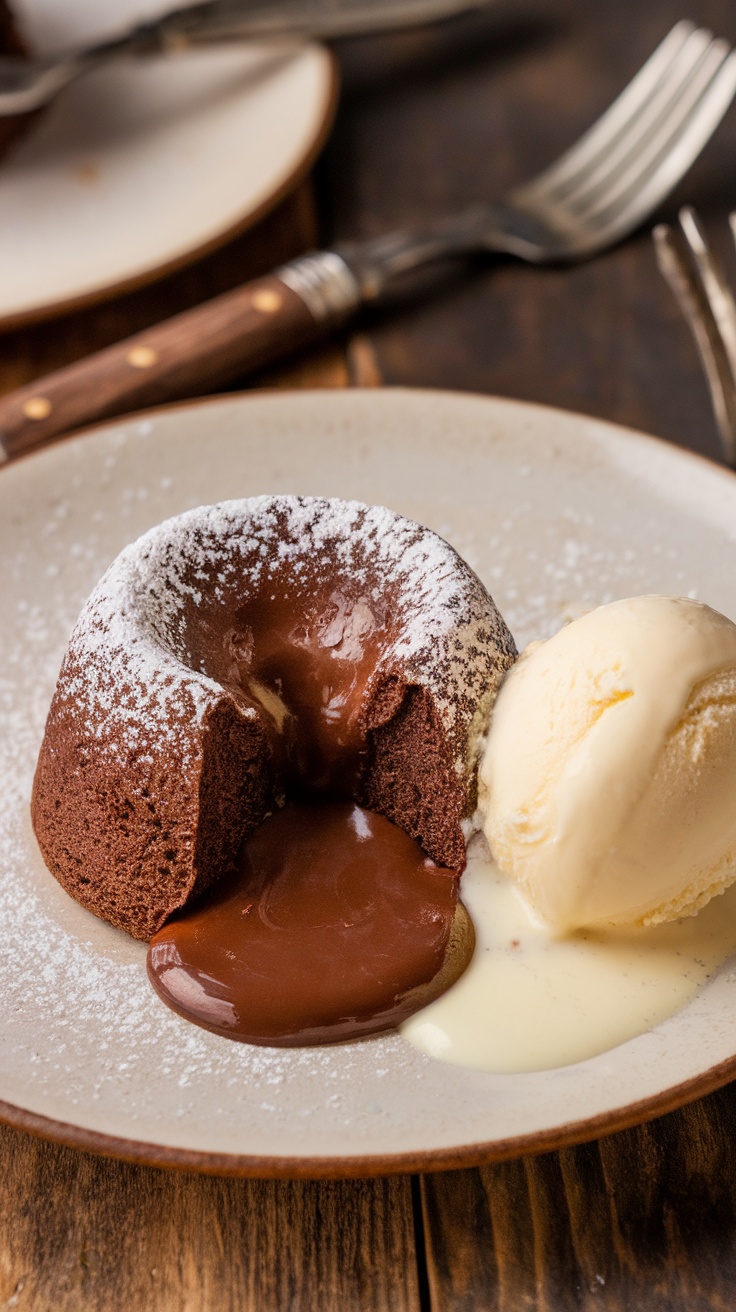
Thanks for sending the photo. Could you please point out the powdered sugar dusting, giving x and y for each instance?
(128, 663)
(82, 1037)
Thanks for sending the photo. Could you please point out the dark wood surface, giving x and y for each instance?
(643, 1221)
(79, 1234)
(188, 355)
(429, 121)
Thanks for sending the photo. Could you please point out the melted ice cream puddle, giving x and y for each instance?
(530, 1002)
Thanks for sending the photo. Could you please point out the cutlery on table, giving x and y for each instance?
(27, 84)
(596, 193)
(707, 302)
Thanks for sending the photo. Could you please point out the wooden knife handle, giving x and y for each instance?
(183, 356)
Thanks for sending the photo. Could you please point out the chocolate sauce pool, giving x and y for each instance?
(335, 925)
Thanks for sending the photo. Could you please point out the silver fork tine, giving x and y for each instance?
(688, 77)
(682, 94)
(708, 306)
(633, 171)
(713, 279)
(674, 159)
(588, 148)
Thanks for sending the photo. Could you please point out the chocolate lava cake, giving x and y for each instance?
(247, 650)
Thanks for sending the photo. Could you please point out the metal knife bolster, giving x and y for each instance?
(325, 283)
(333, 284)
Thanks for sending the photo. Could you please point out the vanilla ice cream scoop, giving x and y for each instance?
(608, 783)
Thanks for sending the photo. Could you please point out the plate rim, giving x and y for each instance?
(249, 219)
(371, 1165)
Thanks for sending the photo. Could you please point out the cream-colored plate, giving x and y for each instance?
(145, 164)
(557, 513)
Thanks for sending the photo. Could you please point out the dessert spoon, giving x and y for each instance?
(595, 194)
(28, 84)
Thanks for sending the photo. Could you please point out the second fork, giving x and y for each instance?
(596, 193)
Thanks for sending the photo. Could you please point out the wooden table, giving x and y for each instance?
(640, 1221)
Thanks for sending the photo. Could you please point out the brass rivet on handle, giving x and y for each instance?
(266, 302)
(142, 357)
(38, 407)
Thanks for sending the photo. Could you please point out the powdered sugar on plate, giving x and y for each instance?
(544, 507)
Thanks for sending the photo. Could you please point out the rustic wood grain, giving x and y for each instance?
(29, 352)
(342, 363)
(185, 356)
(325, 366)
(432, 120)
(643, 1221)
(81, 1234)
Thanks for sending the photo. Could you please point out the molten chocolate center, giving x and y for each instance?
(336, 924)
(333, 927)
(304, 661)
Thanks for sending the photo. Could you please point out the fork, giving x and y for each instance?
(705, 298)
(594, 195)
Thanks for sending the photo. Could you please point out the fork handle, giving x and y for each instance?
(187, 355)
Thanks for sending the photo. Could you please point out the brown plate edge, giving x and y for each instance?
(244, 1166)
(55, 309)
(248, 392)
(374, 1165)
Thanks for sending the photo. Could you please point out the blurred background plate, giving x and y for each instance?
(147, 164)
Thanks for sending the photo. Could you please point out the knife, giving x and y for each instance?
(27, 84)
(192, 353)
(556, 216)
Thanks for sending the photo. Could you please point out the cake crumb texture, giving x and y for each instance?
(152, 771)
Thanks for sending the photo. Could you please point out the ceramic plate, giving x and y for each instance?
(557, 513)
(146, 164)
